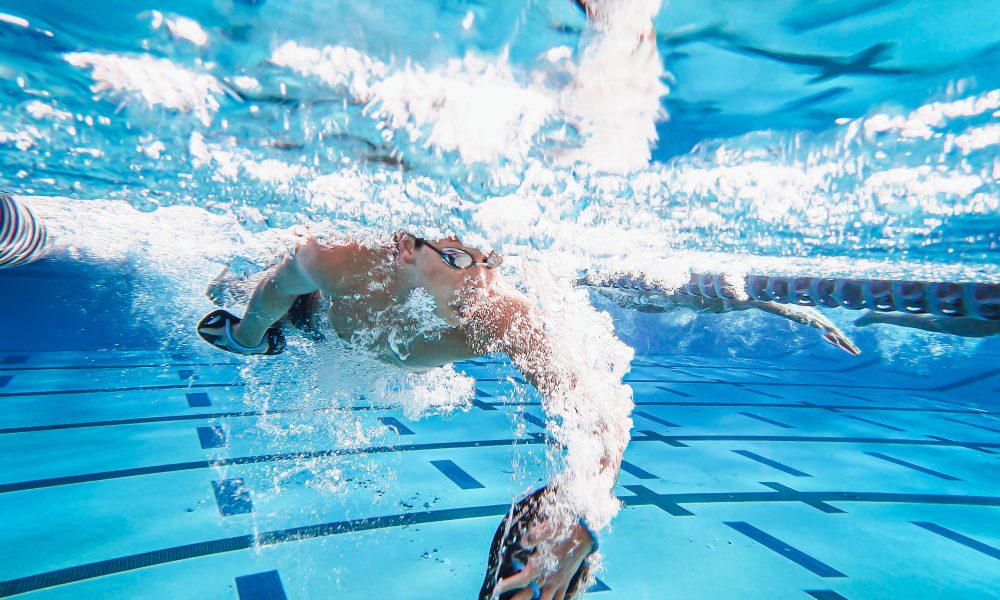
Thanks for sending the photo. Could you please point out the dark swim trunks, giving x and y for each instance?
(300, 316)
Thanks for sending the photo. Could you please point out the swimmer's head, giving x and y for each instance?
(437, 266)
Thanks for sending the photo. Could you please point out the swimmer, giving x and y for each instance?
(960, 326)
(23, 238)
(658, 303)
(349, 289)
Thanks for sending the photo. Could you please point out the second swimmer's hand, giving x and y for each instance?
(570, 549)
(837, 338)
(830, 332)
(834, 336)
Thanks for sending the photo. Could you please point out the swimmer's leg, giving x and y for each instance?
(961, 326)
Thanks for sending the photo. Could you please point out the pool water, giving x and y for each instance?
(782, 471)
(158, 143)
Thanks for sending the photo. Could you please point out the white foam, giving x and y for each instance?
(470, 105)
(157, 81)
(615, 96)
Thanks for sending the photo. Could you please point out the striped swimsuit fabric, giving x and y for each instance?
(22, 238)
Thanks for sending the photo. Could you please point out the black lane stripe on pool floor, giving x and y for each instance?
(245, 460)
(485, 406)
(165, 366)
(961, 539)
(112, 566)
(827, 385)
(242, 542)
(185, 417)
(138, 388)
(535, 439)
(785, 549)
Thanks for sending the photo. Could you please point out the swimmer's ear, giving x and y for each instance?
(407, 247)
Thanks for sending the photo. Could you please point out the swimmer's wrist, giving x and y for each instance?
(233, 334)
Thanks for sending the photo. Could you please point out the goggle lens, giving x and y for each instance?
(458, 258)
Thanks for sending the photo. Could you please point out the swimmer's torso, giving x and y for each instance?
(357, 297)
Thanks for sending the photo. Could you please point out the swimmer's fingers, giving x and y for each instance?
(838, 339)
(517, 581)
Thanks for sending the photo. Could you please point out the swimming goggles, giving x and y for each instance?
(456, 258)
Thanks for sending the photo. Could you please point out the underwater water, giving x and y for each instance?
(160, 142)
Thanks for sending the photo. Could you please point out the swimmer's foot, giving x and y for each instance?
(869, 318)
(217, 329)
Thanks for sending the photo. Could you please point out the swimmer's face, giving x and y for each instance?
(453, 289)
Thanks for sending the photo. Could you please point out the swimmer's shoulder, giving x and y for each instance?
(504, 310)
(337, 265)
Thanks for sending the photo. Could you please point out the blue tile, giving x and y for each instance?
(481, 394)
(983, 427)
(758, 392)
(233, 497)
(961, 539)
(212, 437)
(187, 374)
(766, 420)
(395, 425)
(532, 419)
(869, 421)
(913, 466)
(673, 391)
(482, 405)
(772, 463)
(672, 508)
(457, 475)
(260, 586)
(652, 435)
(654, 418)
(198, 400)
(637, 471)
(807, 498)
(5, 379)
(15, 359)
(824, 594)
(793, 554)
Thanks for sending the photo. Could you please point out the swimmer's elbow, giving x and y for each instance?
(293, 275)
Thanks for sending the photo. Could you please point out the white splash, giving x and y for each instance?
(157, 81)
(615, 97)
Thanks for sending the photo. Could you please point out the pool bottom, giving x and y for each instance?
(121, 477)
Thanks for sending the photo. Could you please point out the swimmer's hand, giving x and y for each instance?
(837, 338)
(807, 316)
(832, 334)
(569, 549)
(222, 342)
(222, 330)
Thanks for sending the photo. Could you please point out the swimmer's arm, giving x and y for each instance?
(517, 332)
(520, 335)
(804, 315)
(276, 292)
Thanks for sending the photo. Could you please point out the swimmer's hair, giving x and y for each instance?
(396, 239)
